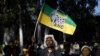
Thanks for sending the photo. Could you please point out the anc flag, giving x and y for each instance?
(56, 20)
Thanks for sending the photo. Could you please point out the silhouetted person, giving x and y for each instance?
(67, 49)
(8, 49)
(97, 52)
(32, 49)
(16, 48)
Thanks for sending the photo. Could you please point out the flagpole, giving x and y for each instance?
(36, 24)
(37, 21)
(64, 38)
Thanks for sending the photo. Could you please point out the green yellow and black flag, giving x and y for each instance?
(56, 20)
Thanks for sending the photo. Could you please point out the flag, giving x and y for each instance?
(56, 20)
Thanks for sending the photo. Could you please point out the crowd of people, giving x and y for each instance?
(50, 47)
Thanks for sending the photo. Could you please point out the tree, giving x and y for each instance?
(10, 10)
(81, 11)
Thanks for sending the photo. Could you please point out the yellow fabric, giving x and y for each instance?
(68, 29)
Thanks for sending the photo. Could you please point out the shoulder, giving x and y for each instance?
(58, 53)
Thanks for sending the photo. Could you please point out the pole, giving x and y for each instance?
(39, 34)
(21, 39)
(37, 21)
(64, 38)
(6, 29)
(46, 31)
(36, 27)
(20, 31)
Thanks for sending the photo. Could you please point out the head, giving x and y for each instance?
(16, 42)
(10, 43)
(25, 51)
(98, 48)
(85, 50)
(49, 41)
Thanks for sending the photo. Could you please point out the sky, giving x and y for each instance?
(97, 9)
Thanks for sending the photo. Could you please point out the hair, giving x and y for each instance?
(47, 36)
(85, 46)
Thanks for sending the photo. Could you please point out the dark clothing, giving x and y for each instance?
(16, 50)
(45, 52)
(65, 54)
(74, 55)
(32, 50)
(89, 55)
(11, 50)
(8, 50)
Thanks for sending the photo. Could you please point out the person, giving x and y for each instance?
(49, 47)
(97, 52)
(32, 49)
(25, 52)
(86, 51)
(74, 49)
(16, 48)
(8, 49)
(67, 49)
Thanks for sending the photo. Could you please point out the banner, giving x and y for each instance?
(56, 20)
